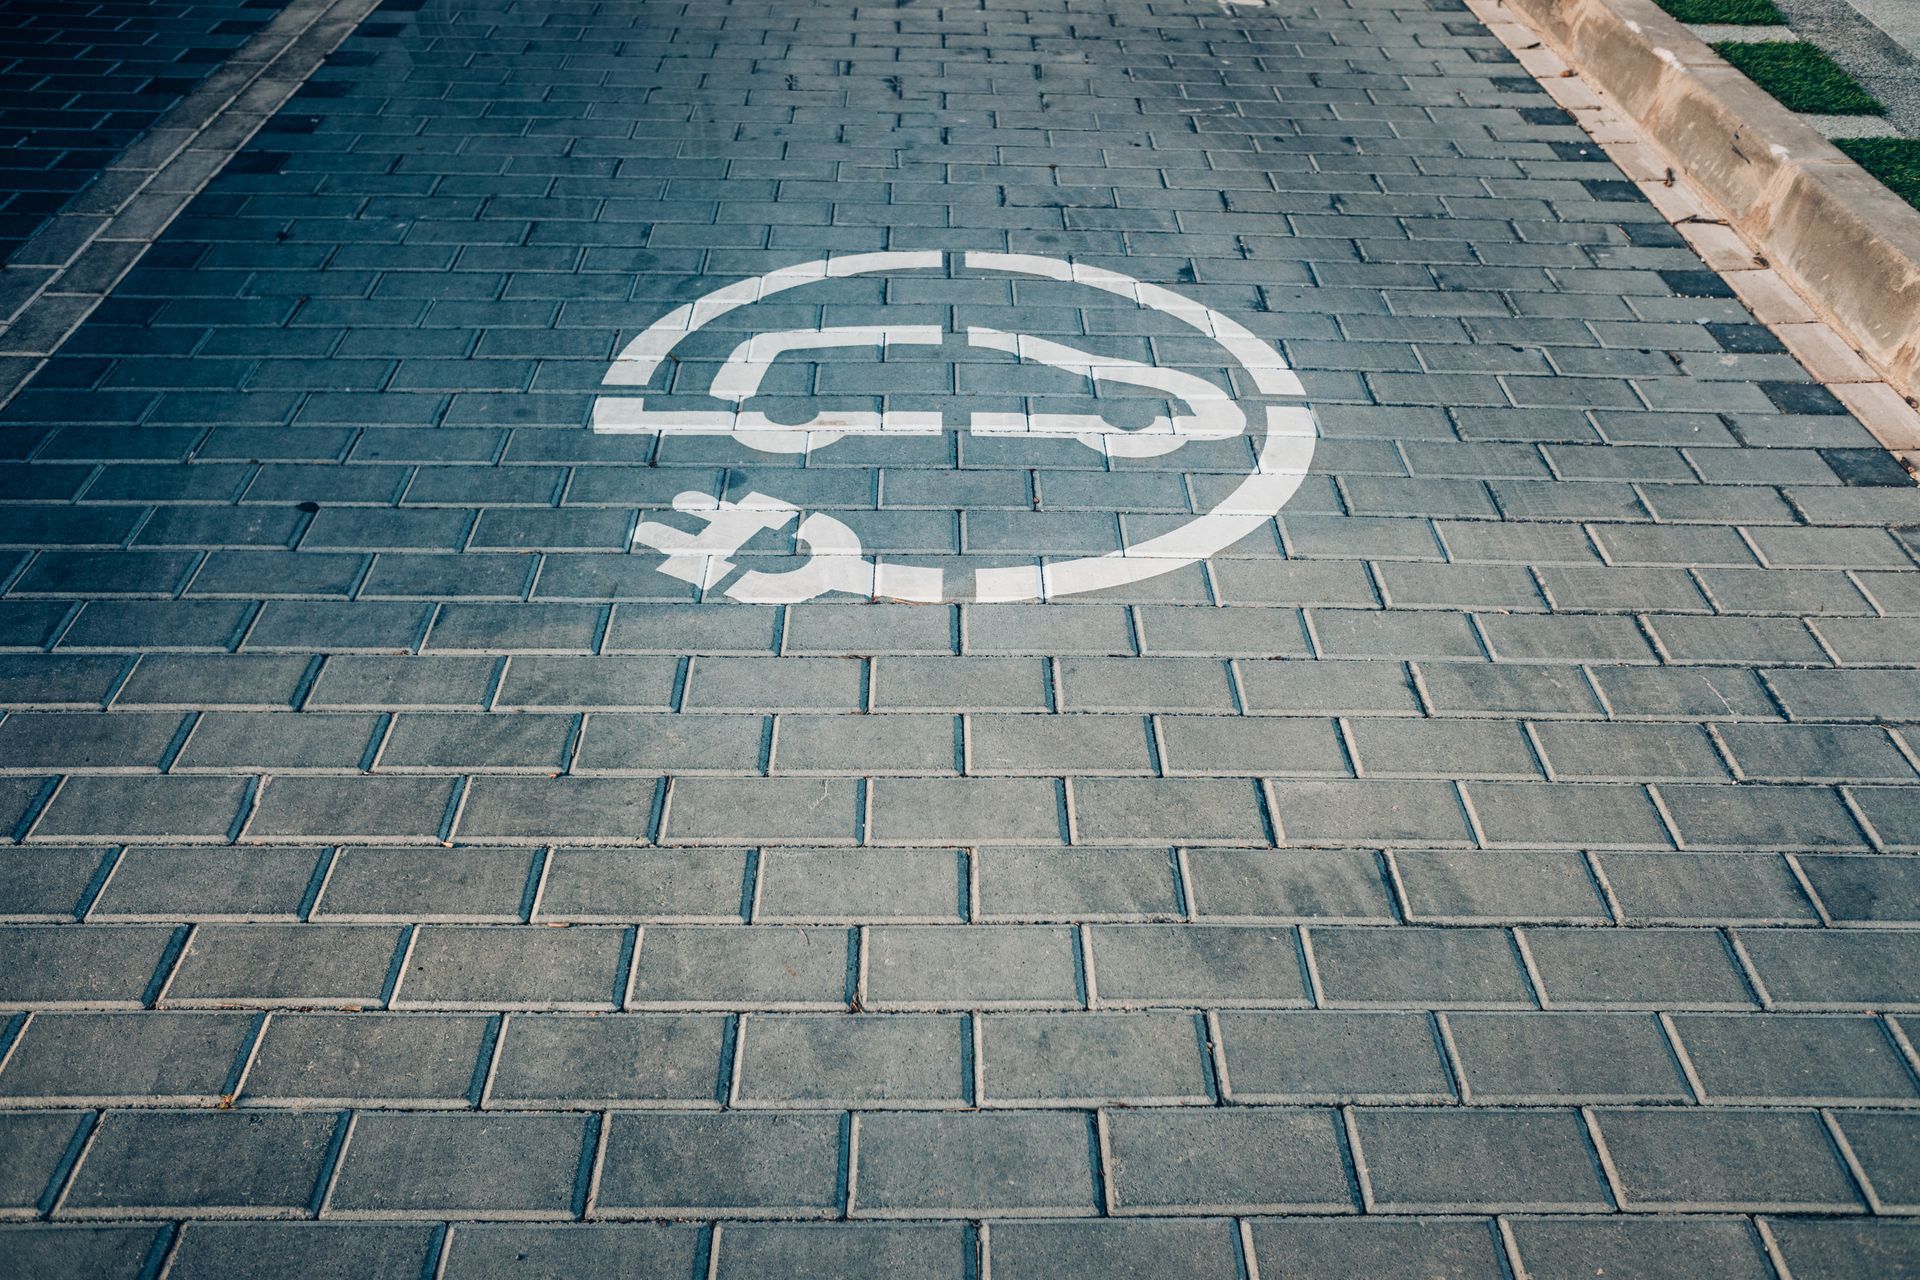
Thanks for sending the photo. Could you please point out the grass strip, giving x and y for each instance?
(1895, 161)
(1801, 75)
(1743, 13)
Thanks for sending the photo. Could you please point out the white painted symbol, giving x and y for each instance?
(836, 561)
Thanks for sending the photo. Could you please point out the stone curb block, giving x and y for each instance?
(1840, 237)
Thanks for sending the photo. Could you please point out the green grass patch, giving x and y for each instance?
(1802, 76)
(1895, 161)
(1746, 13)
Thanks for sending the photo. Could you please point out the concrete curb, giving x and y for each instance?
(1843, 241)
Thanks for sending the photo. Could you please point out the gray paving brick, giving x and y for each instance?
(388, 1060)
(623, 885)
(1223, 965)
(63, 740)
(207, 883)
(1678, 888)
(1557, 638)
(556, 682)
(1814, 753)
(1484, 887)
(1368, 813)
(650, 745)
(999, 966)
(1240, 746)
(864, 745)
(1465, 586)
(1046, 629)
(1332, 886)
(1671, 693)
(513, 967)
(253, 965)
(663, 1165)
(1864, 890)
(233, 1163)
(47, 885)
(366, 682)
(1204, 1249)
(1093, 1059)
(1162, 810)
(1831, 1249)
(442, 743)
(49, 966)
(1082, 744)
(1190, 631)
(544, 810)
(1502, 690)
(1272, 582)
(278, 573)
(1883, 1142)
(763, 684)
(482, 1166)
(891, 1060)
(1566, 816)
(553, 1060)
(381, 626)
(909, 885)
(1442, 748)
(736, 811)
(237, 741)
(36, 1144)
(414, 885)
(1376, 1247)
(1726, 1159)
(1760, 817)
(1628, 752)
(1792, 1058)
(1285, 1159)
(488, 628)
(1639, 968)
(1144, 684)
(1428, 1160)
(388, 810)
(960, 684)
(1075, 884)
(1563, 1058)
(941, 811)
(1458, 968)
(1010, 1161)
(1871, 969)
(1350, 688)
(1890, 813)
(139, 808)
(282, 1250)
(1565, 1248)
(69, 680)
(756, 966)
(108, 1059)
(1312, 1056)
(857, 630)
(482, 1250)
(49, 1250)
(921, 1251)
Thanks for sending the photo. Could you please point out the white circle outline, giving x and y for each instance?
(1279, 469)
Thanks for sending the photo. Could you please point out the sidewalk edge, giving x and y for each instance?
(101, 234)
(1843, 241)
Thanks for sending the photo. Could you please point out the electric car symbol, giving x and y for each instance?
(1197, 410)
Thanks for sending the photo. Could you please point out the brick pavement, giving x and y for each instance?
(1502, 860)
(80, 81)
